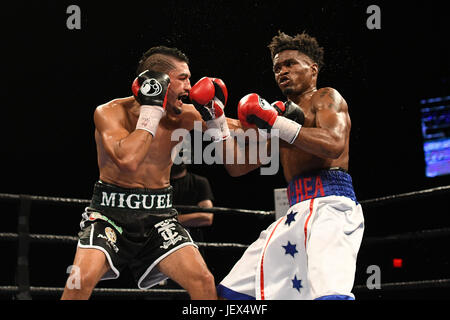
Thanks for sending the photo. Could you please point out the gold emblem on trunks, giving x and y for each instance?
(110, 234)
(110, 237)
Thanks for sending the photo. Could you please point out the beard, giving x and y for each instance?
(287, 91)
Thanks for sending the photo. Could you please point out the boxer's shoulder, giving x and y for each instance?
(118, 105)
(326, 92)
(114, 110)
(327, 97)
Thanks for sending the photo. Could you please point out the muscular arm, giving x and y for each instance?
(328, 138)
(126, 149)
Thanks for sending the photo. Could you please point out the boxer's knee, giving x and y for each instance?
(82, 286)
(89, 266)
(89, 280)
(204, 279)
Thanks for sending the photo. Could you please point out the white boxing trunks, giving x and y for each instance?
(310, 253)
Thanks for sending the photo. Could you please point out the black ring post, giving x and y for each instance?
(22, 271)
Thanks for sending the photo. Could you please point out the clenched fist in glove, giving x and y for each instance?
(150, 90)
(209, 96)
(255, 111)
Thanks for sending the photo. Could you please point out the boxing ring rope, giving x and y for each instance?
(370, 202)
(23, 237)
(99, 291)
(392, 286)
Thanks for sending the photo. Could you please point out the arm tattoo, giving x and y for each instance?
(324, 92)
(329, 92)
(334, 104)
(332, 95)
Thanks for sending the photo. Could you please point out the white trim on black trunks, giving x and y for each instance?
(107, 275)
(149, 269)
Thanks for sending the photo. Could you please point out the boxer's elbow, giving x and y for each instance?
(128, 167)
(333, 155)
(128, 164)
(334, 150)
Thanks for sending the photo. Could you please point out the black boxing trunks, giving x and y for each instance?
(133, 227)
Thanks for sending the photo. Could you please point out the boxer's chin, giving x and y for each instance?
(287, 91)
(177, 107)
(177, 110)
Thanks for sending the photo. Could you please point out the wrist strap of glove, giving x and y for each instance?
(288, 129)
(149, 118)
(218, 128)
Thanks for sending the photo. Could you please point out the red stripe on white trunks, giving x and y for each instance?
(262, 261)
(307, 219)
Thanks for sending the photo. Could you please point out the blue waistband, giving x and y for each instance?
(320, 184)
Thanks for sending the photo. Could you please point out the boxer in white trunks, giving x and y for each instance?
(310, 253)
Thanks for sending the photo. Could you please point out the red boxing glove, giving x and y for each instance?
(209, 96)
(220, 95)
(202, 92)
(254, 111)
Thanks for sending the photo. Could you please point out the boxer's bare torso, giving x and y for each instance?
(154, 171)
(294, 159)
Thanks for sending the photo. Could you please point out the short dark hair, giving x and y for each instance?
(158, 59)
(302, 42)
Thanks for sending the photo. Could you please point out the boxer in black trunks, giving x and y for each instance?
(130, 221)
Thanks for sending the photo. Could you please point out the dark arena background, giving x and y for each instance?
(395, 79)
